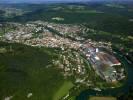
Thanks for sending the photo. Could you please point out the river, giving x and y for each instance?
(112, 91)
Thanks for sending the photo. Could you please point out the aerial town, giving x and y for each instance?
(98, 54)
(66, 49)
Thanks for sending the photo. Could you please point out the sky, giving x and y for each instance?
(40, 1)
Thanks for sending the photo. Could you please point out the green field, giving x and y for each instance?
(102, 98)
(99, 17)
(64, 90)
(25, 69)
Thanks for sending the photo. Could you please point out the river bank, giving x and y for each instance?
(112, 91)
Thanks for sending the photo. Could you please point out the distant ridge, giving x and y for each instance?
(57, 1)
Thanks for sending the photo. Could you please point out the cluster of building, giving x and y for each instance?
(53, 42)
(68, 30)
(71, 64)
(104, 63)
(32, 34)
